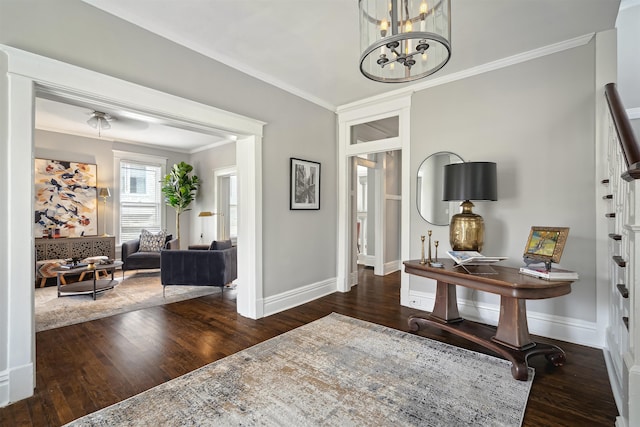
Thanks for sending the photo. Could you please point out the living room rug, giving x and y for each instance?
(137, 290)
(336, 371)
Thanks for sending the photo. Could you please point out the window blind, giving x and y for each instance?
(140, 198)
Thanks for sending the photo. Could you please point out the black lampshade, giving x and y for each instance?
(470, 181)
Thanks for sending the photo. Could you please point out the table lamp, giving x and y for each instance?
(469, 181)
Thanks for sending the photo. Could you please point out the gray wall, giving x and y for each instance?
(299, 247)
(58, 146)
(536, 121)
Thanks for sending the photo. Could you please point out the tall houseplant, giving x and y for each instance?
(179, 189)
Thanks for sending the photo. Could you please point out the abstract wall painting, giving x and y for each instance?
(304, 185)
(66, 199)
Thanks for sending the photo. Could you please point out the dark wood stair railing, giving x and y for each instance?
(628, 141)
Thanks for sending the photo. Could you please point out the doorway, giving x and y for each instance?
(364, 130)
(29, 73)
(377, 210)
(226, 203)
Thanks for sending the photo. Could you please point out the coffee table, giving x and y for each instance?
(87, 287)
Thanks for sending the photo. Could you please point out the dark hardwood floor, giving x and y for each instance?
(86, 367)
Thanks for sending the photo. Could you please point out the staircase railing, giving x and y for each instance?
(626, 136)
(622, 199)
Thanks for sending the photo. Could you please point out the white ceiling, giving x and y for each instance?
(61, 116)
(311, 48)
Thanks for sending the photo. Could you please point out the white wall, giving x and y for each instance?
(535, 120)
(58, 146)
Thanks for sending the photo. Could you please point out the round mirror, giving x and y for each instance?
(430, 185)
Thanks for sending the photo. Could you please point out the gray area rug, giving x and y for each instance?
(336, 371)
(136, 291)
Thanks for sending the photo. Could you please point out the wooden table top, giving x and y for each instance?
(97, 266)
(507, 281)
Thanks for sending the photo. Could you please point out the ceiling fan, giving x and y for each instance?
(100, 121)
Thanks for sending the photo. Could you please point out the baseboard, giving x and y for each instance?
(616, 387)
(557, 327)
(299, 296)
(4, 388)
(367, 260)
(16, 384)
(391, 267)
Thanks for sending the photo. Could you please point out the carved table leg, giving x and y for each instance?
(445, 308)
(513, 330)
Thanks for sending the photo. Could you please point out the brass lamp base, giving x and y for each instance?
(466, 232)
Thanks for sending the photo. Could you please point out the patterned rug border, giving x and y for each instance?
(87, 419)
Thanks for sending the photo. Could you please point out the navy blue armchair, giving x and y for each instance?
(199, 267)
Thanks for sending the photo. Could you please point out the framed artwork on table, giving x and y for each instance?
(65, 199)
(304, 185)
(546, 244)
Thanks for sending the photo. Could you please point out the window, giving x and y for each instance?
(140, 200)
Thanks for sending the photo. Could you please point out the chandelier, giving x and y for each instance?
(404, 40)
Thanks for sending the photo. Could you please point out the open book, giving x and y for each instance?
(473, 258)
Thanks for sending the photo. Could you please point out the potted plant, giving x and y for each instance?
(179, 189)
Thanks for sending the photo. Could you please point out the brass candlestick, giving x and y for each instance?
(436, 245)
(422, 260)
(429, 245)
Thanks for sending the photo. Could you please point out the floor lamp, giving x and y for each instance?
(104, 193)
(206, 214)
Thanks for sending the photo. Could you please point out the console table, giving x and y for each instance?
(75, 247)
(511, 338)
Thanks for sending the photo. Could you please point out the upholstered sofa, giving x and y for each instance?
(134, 259)
(216, 265)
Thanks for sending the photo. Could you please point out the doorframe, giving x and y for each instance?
(348, 116)
(26, 73)
(218, 174)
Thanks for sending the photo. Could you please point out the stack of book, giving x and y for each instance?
(553, 274)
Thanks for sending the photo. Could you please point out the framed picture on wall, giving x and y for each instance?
(304, 185)
(65, 199)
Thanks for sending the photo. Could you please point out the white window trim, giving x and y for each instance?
(118, 157)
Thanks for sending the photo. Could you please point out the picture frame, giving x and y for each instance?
(304, 184)
(546, 244)
(66, 198)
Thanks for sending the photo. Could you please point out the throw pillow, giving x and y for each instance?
(150, 242)
(220, 245)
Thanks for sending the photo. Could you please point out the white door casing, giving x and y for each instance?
(26, 74)
(350, 116)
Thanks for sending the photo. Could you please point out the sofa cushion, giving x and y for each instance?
(220, 245)
(152, 242)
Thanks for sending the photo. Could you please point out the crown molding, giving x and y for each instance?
(480, 69)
